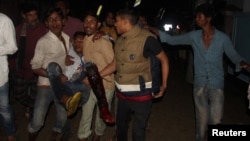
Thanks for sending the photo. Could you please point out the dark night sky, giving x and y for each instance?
(147, 7)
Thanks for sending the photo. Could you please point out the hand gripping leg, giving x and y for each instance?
(96, 83)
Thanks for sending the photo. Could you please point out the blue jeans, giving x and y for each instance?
(44, 98)
(6, 113)
(209, 104)
(69, 88)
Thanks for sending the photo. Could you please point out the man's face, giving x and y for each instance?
(78, 44)
(31, 17)
(119, 24)
(143, 21)
(55, 23)
(201, 20)
(110, 19)
(62, 6)
(90, 25)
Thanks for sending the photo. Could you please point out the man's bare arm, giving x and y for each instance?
(165, 72)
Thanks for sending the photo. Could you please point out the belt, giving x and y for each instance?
(130, 88)
(142, 98)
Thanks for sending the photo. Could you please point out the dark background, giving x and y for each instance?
(148, 7)
(181, 10)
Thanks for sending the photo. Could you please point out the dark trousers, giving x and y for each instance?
(140, 112)
(25, 90)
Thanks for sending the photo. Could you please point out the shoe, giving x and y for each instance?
(72, 102)
(107, 116)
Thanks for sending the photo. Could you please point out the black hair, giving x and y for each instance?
(78, 33)
(52, 10)
(207, 9)
(27, 7)
(66, 2)
(128, 14)
(108, 12)
(92, 14)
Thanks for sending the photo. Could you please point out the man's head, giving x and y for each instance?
(125, 20)
(30, 14)
(91, 23)
(204, 14)
(78, 41)
(64, 6)
(54, 20)
(142, 21)
(110, 19)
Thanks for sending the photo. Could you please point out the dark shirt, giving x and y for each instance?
(33, 34)
(152, 47)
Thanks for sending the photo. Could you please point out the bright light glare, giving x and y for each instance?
(178, 27)
(99, 10)
(137, 2)
(167, 27)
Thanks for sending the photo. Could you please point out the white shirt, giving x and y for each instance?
(73, 71)
(7, 46)
(49, 48)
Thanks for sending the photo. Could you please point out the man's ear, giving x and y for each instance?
(23, 16)
(67, 11)
(99, 24)
(209, 19)
(63, 22)
(46, 24)
(125, 21)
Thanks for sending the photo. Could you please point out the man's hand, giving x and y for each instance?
(68, 60)
(86, 82)
(245, 65)
(98, 35)
(64, 79)
(161, 92)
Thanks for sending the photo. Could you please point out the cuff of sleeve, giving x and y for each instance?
(162, 35)
(237, 68)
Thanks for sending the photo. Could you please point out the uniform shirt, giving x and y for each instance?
(49, 49)
(101, 53)
(208, 63)
(7, 46)
(111, 31)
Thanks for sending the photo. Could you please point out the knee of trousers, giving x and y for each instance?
(53, 69)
